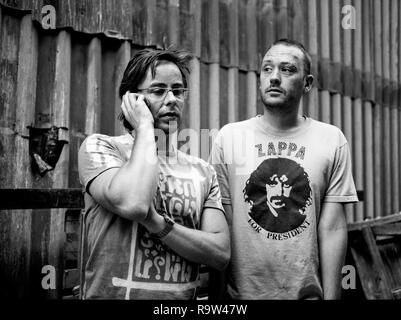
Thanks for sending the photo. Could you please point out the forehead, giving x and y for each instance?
(165, 72)
(282, 53)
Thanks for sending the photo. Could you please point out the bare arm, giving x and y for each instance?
(209, 246)
(129, 190)
(332, 237)
(218, 279)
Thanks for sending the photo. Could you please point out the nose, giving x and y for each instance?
(170, 98)
(275, 78)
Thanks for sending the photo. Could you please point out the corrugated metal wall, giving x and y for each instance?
(69, 77)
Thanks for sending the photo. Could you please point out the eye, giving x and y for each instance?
(157, 91)
(178, 91)
(289, 69)
(267, 68)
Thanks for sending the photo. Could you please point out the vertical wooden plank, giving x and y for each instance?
(395, 194)
(252, 91)
(122, 58)
(296, 23)
(233, 77)
(312, 98)
(335, 53)
(9, 39)
(399, 100)
(346, 101)
(60, 106)
(252, 59)
(150, 8)
(357, 110)
(194, 109)
(386, 107)
(266, 26)
(22, 176)
(282, 18)
(93, 87)
(377, 116)
(369, 188)
(173, 21)
(324, 57)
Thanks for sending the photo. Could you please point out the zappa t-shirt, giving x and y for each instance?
(276, 183)
(120, 260)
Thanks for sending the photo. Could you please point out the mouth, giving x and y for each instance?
(169, 115)
(274, 90)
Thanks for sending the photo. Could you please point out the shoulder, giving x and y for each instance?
(328, 133)
(197, 162)
(234, 126)
(96, 142)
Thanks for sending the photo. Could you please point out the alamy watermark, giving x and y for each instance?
(349, 18)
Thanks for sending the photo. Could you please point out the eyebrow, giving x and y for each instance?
(163, 85)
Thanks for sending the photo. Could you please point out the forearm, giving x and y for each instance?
(332, 247)
(133, 187)
(209, 248)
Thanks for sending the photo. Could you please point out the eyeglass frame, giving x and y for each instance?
(167, 90)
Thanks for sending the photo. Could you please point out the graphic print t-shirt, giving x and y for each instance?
(119, 258)
(276, 183)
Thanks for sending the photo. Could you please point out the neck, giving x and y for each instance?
(278, 120)
(167, 144)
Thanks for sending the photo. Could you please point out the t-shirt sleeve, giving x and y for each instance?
(341, 186)
(96, 155)
(213, 199)
(216, 159)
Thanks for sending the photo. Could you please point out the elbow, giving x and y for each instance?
(223, 259)
(222, 262)
(134, 212)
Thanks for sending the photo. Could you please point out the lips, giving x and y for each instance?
(170, 114)
(274, 90)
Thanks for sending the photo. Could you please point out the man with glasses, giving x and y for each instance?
(153, 214)
(283, 188)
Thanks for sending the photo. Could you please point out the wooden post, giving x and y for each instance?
(324, 94)
(313, 110)
(60, 108)
(122, 59)
(233, 62)
(347, 102)
(282, 19)
(386, 107)
(194, 110)
(214, 67)
(252, 46)
(173, 21)
(369, 187)
(377, 116)
(150, 38)
(336, 58)
(93, 87)
(395, 194)
(357, 109)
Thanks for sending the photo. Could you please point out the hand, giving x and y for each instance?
(135, 110)
(153, 222)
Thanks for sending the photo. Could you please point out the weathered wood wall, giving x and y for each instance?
(68, 77)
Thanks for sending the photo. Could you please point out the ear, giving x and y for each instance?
(308, 83)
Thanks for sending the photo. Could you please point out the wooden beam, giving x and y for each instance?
(393, 229)
(375, 278)
(41, 198)
(374, 222)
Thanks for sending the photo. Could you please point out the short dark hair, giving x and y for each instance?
(137, 67)
(293, 43)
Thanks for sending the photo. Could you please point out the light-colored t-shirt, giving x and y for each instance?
(276, 183)
(120, 260)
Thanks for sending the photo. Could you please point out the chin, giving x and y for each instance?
(167, 128)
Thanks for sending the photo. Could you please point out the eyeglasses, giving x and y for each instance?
(157, 93)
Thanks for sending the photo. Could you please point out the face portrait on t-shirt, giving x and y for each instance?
(278, 192)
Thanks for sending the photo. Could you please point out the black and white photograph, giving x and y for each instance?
(205, 157)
